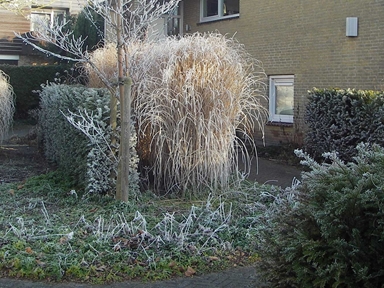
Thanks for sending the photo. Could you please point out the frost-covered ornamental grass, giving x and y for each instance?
(104, 65)
(51, 232)
(191, 96)
(7, 107)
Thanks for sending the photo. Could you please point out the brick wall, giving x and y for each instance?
(307, 39)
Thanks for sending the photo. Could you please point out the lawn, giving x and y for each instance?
(50, 231)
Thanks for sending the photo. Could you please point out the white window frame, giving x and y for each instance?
(10, 58)
(279, 80)
(220, 14)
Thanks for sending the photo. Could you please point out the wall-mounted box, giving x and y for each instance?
(352, 24)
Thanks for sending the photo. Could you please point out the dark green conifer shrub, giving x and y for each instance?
(90, 31)
(328, 231)
(340, 119)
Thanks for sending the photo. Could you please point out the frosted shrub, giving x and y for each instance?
(191, 95)
(76, 135)
(329, 230)
(7, 107)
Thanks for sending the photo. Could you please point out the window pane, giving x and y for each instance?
(211, 8)
(174, 22)
(173, 27)
(39, 20)
(231, 7)
(284, 100)
(177, 11)
(44, 18)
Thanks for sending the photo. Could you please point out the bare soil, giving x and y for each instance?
(20, 159)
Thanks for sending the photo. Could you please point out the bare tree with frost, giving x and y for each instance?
(126, 23)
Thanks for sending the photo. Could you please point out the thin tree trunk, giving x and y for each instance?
(112, 105)
(124, 150)
(113, 124)
(122, 187)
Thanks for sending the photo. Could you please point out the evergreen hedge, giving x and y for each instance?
(26, 79)
(339, 119)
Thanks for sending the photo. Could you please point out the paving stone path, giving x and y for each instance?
(241, 277)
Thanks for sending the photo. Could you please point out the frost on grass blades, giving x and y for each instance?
(101, 239)
(104, 62)
(7, 107)
(191, 96)
(51, 232)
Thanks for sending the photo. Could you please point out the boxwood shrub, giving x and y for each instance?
(339, 119)
(327, 231)
(83, 153)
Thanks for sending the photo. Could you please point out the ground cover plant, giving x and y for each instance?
(329, 230)
(49, 231)
(7, 106)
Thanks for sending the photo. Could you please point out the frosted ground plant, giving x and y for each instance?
(201, 228)
(7, 106)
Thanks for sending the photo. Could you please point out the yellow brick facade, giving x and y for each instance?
(306, 38)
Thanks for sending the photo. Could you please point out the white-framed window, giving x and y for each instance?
(218, 9)
(46, 17)
(281, 98)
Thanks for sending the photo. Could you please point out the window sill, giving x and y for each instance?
(216, 19)
(281, 124)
